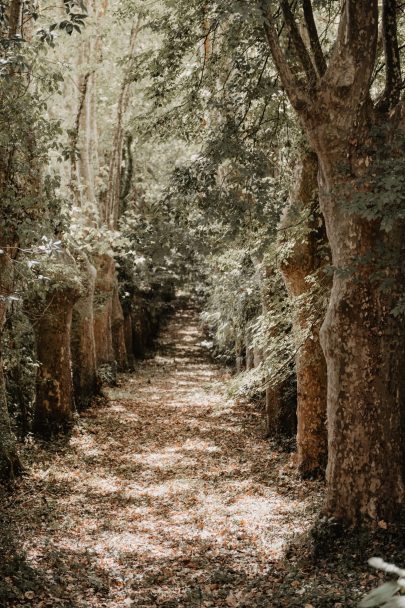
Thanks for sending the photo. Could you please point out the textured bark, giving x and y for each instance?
(10, 464)
(118, 332)
(83, 345)
(363, 345)
(54, 406)
(103, 309)
(305, 257)
(14, 17)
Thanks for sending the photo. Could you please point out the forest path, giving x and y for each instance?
(167, 497)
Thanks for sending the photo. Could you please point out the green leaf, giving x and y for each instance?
(380, 596)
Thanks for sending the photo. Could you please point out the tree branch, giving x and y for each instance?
(314, 38)
(352, 63)
(296, 94)
(393, 79)
(301, 49)
(14, 18)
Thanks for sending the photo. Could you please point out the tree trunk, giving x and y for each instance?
(364, 349)
(118, 332)
(103, 309)
(10, 464)
(54, 406)
(306, 251)
(84, 166)
(129, 337)
(83, 345)
(14, 17)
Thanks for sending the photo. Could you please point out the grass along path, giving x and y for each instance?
(167, 496)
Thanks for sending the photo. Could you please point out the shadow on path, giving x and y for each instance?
(168, 497)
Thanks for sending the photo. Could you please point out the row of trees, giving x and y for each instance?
(80, 292)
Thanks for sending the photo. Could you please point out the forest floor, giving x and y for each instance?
(168, 494)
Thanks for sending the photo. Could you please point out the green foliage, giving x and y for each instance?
(76, 14)
(20, 368)
(53, 274)
(209, 80)
(233, 301)
(31, 206)
(387, 595)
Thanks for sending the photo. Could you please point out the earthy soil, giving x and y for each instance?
(167, 494)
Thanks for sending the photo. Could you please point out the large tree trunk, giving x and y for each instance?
(363, 341)
(54, 406)
(83, 345)
(303, 233)
(364, 349)
(10, 464)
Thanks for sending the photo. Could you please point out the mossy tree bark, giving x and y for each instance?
(12, 186)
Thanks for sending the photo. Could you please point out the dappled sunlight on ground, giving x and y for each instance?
(168, 497)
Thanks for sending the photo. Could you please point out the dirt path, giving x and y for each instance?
(168, 497)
